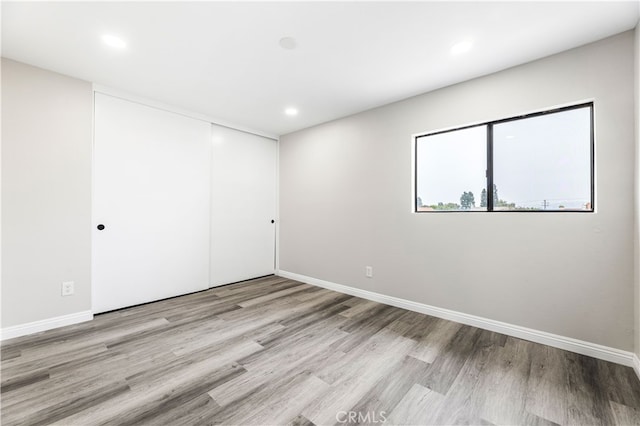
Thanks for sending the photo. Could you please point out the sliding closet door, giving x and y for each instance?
(151, 204)
(243, 206)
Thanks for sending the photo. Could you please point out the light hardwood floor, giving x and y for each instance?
(275, 351)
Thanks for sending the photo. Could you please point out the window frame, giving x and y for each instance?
(489, 171)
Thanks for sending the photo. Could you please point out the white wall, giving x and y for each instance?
(345, 202)
(46, 193)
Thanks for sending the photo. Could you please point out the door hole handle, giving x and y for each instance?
(100, 227)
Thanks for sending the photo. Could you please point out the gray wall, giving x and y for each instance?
(637, 182)
(345, 202)
(46, 193)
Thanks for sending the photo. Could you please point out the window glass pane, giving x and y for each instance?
(450, 170)
(543, 162)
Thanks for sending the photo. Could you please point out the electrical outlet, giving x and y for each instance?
(368, 271)
(67, 288)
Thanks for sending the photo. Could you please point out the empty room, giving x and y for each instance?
(320, 213)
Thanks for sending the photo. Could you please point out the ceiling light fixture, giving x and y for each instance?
(461, 47)
(291, 112)
(288, 43)
(113, 41)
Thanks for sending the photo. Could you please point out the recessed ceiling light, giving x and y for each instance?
(291, 111)
(113, 41)
(461, 47)
(288, 43)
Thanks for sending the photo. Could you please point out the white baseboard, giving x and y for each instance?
(43, 325)
(567, 343)
(636, 365)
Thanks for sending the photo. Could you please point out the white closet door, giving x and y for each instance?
(151, 193)
(243, 205)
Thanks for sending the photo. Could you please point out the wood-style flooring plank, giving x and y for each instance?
(444, 369)
(466, 396)
(415, 407)
(276, 351)
(433, 338)
(505, 389)
(356, 374)
(548, 384)
(285, 361)
(389, 391)
(624, 415)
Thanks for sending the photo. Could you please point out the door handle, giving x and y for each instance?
(100, 227)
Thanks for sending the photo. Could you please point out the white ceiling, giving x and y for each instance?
(223, 60)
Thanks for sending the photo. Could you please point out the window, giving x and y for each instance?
(537, 162)
(450, 165)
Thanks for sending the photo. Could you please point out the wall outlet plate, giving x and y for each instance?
(368, 271)
(68, 288)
